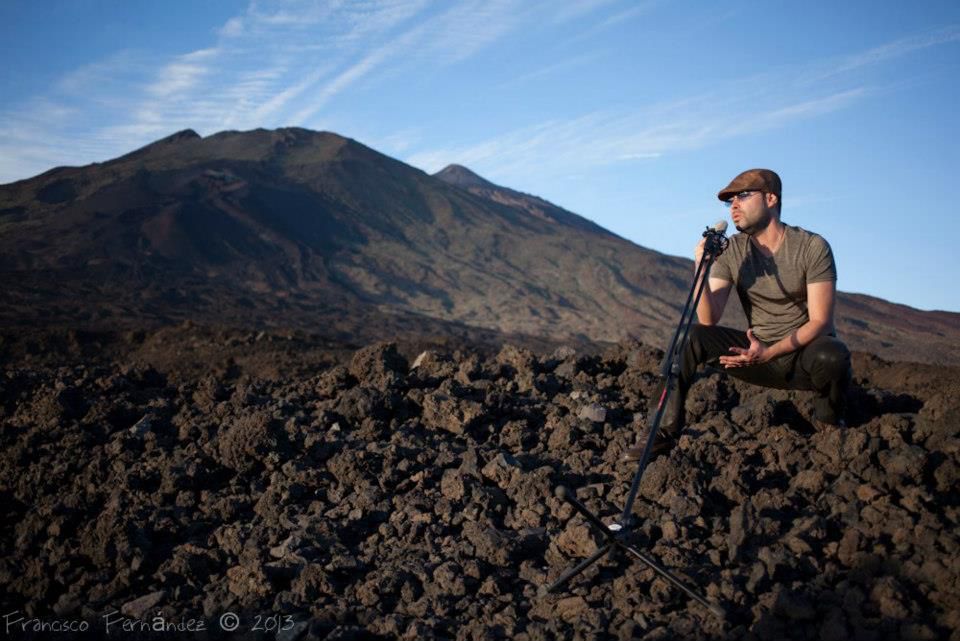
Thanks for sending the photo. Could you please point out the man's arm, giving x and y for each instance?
(713, 301)
(820, 301)
(715, 294)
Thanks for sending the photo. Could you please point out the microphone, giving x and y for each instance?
(716, 241)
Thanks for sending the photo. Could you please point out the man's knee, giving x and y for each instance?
(697, 332)
(701, 335)
(698, 340)
(830, 357)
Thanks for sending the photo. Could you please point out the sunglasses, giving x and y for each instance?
(743, 195)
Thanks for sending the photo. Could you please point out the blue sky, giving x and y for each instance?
(631, 113)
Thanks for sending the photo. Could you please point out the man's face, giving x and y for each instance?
(749, 212)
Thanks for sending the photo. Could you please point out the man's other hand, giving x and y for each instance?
(753, 355)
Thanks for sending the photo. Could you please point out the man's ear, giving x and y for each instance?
(772, 200)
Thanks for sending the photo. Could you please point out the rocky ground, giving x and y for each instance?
(390, 496)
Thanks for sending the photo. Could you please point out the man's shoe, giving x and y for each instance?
(662, 445)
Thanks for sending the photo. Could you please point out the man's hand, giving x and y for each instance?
(698, 253)
(753, 355)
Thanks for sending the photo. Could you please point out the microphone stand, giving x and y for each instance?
(617, 535)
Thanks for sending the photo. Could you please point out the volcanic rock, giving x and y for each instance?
(370, 499)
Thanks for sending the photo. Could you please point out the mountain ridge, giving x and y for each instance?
(295, 227)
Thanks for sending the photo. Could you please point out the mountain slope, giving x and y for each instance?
(310, 229)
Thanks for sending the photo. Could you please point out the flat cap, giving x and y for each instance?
(752, 180)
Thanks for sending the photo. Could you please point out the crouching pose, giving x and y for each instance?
(786, 279)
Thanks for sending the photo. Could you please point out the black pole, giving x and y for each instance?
(664, 367)
(662, 571)
(564, 578)
(672, 367)
(616, 536)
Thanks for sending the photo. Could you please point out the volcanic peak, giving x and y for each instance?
(460, 176)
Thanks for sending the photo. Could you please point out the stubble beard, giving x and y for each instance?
(757, 227)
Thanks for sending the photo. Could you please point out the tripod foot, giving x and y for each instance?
(575, 570)
(717, 611)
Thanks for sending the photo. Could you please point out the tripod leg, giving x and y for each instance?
(665, 573)
(565, 494)
(575, 570)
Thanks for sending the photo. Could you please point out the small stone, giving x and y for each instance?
(448, 413)
(740, 522)
(849, 545)
(501, 469)
(867, 493)
(380, 364)
(812, 481)
(889, 598)
(137, 608)
(594, 412)
(669, 530)
(905, 461)
(65, 605)
(489, 543)
(449, 578)
(854, 442)
(564, 352)
(294, 632)
(797, 545)
(570, 608)
(141, 427)
(454, 484)
(576, 541)
(758, 572)
(419, 360)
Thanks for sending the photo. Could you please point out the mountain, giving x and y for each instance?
(462, 177)
(312, 230)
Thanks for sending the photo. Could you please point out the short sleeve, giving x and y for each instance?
(820, 264)
(721, 267)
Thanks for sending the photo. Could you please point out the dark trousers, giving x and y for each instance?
(823, 366)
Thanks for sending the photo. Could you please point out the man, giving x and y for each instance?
(786, 279)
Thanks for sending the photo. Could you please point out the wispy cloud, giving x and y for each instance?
(883, 53)
(276, 102)
(38, 136)
(288, 62)
(556, 67)
(442, 39)
(400, 141)
(604, 137)
(563, 146)
(634, 10)
(117, 67)
(340, 82)
(579, 8)
(901, 47)
(183, 73)
(231, 28)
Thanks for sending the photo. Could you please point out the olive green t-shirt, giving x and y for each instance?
(773, 290)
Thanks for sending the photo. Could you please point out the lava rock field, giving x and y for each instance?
(413, 497)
